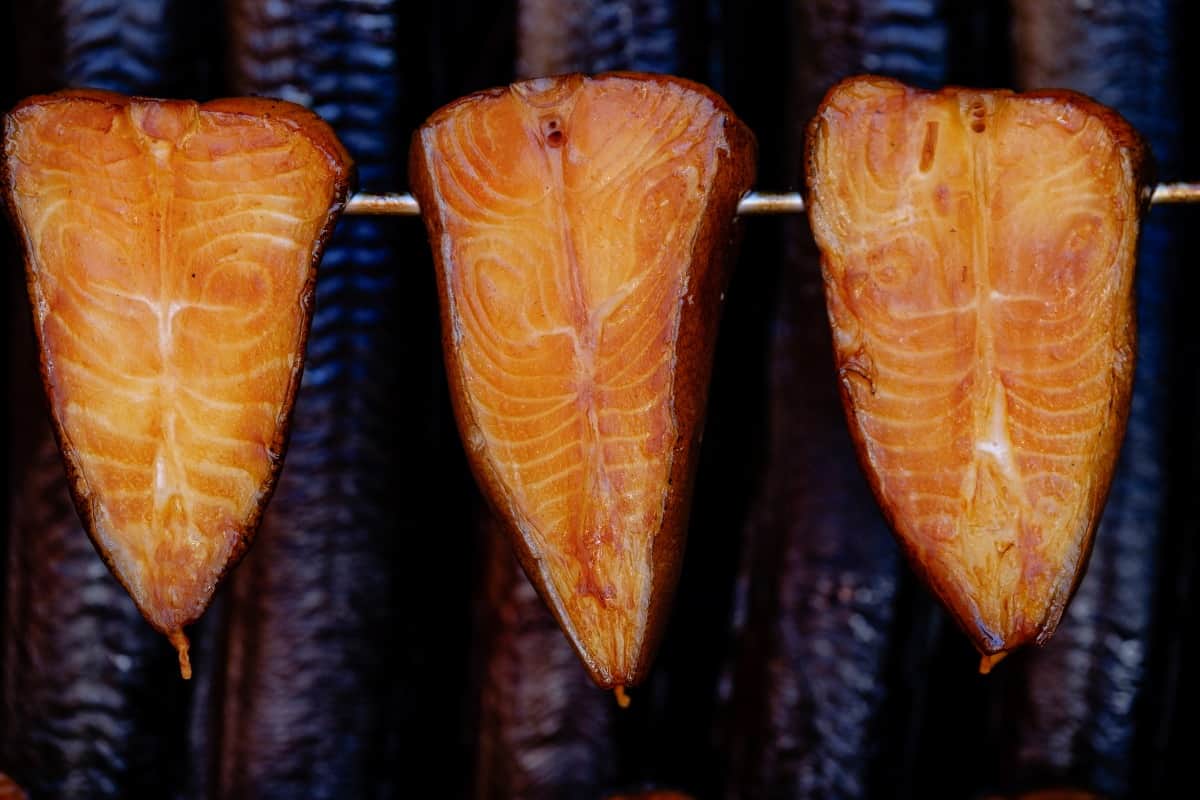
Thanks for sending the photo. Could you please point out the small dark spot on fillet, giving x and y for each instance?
(555, 139)
(978, 114)
(941, 200)
(929, 147)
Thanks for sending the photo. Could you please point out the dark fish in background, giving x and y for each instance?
(818, 587)
(92, 706)
(555, 36)
(93, 703)
(1171, 760)
(116, 42)
(1080, 711)
(156, 48)
(544, 730)
(310, 682)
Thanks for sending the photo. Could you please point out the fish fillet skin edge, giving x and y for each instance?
(978, 252)
(583, 231)
(171, 251)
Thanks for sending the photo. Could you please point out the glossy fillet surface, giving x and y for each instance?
(978, 256)
(582, 229)
(171, 251)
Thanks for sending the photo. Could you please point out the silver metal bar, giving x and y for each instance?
(755, 203)
(404, 205)
(771, 203)
(1176, 193)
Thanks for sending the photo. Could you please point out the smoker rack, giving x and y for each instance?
(753, 204)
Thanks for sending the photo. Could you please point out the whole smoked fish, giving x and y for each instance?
(171, 251)
(978, 253)
(582, 230)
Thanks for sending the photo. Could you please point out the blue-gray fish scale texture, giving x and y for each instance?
(377, 643)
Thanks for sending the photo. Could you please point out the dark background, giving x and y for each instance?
(378, 642)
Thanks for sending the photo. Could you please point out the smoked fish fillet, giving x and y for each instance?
(978, 253)
(582, 229)
(171, 253)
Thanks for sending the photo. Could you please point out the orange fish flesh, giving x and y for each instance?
(171, 252)
(978, 251)
(583, 230)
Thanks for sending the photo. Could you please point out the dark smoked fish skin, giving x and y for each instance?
(109, 43)
(555, 36)
(903, 39)
(92, 702)
(315, 645)
(544, 730)
(820, 575)
(1082, 695)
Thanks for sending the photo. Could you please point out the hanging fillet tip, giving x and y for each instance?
(180, 642)
(987, 662)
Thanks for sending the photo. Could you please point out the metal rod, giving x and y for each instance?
(755, 203)
(404, 205)
(1176, 193)
(768, 203)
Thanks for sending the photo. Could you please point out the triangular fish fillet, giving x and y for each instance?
(582, 229)
(171, 252)
(978, 251)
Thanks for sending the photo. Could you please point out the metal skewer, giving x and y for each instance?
(755, 203)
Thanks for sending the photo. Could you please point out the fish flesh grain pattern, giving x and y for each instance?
(581, 229)
(1091, 701)
(171, 250)
(978, 254)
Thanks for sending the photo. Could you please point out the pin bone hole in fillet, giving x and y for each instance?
(171, 252)
(978, 254)
(583, 231)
